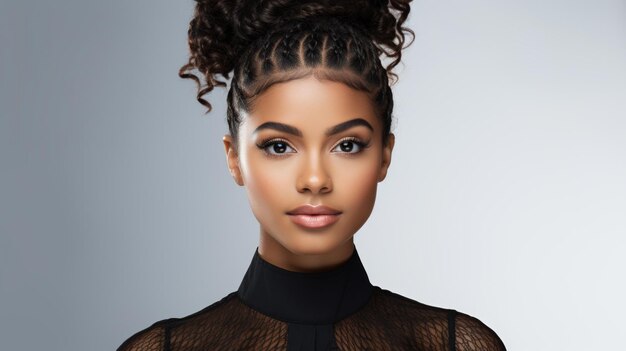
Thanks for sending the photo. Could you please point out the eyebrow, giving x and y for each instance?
(281, 127)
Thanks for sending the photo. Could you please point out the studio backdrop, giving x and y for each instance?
(505, 198)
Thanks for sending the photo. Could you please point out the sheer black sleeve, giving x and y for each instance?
(149, 339)
(471, 334)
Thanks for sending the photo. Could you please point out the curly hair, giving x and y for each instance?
(264, 42)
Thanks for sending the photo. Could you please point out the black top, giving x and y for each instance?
(337, 309)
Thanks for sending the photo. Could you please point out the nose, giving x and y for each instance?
(314, 176)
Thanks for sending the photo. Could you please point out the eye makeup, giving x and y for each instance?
(272, 141)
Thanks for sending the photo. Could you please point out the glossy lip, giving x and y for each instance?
(313, 210)
(310, 216)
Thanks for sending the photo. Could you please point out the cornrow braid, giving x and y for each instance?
(288, 58)
(312, 53)
(335, 55)
(266, 57)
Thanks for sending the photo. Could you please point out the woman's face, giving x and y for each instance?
(313, 142)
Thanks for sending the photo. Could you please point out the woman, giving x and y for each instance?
(309, 115)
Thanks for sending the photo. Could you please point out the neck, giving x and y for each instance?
(310, 259)
(306, 297)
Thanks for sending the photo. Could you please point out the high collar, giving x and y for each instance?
(305, 297)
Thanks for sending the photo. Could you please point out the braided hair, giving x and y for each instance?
(263, 42)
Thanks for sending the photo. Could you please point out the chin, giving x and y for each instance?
(312, 244)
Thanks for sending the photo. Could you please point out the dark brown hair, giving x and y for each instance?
(269, 41)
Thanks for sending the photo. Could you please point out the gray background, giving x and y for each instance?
(506, 197)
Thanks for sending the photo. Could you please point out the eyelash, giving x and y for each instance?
(264, 144)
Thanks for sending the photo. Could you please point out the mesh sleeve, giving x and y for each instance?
(473, 335)
(150, 339)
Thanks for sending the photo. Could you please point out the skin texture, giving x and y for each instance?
(310, 169)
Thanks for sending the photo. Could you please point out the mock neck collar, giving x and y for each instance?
(305, 297)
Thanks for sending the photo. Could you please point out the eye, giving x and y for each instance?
(347, 145)
(276, 145)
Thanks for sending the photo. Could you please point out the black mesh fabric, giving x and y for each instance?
(383, 321)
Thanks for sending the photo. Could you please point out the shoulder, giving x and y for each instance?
(421, 326)
(471, 334)
(157, 336)
(438, 327)
(409, 309)
(151, 338)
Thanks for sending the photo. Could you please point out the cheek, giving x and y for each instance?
(358, 183)
(267, 186)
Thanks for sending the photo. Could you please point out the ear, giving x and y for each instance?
(386, 161)
(232, 159)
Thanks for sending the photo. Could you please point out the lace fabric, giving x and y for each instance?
(388, 322)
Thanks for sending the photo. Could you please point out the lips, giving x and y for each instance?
(313, 210)
(314, 217)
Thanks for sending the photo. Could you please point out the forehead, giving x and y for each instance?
(311, 104)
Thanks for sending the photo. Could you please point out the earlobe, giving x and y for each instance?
(232, 159)
(386, 161)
